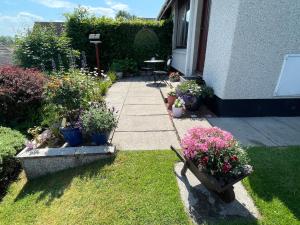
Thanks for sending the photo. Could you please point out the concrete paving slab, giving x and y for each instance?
(145, 140)
(206, 207)
(144, 93)
(144, 110)
(115, 99)
(144, 123)
(242, 131)
(292, 122)
(276, 131)
(183, 124)
(131, 100)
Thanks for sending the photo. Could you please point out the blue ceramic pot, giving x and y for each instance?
(72, 136)
(100, 138)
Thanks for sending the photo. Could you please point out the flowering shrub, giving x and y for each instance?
(20, 91)
(216, 152)
(174, 77)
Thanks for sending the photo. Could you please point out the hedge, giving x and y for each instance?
(134, 39)
(11, 142)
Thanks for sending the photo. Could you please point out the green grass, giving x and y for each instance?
(275, 184)
(134, 188)
(140, 188)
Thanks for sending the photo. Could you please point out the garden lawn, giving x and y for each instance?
(275, 184)
(140, 188)
(133, 188)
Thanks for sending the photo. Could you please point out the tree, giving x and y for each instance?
(122, 14)
(7, 40)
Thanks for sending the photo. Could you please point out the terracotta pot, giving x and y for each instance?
(171, 100)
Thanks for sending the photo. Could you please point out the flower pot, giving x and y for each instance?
(177, 112)
(192, 103)
(119, 75)
(171, 100)
(72, 136)
(100, 138)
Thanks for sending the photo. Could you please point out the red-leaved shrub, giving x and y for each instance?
(20, 90)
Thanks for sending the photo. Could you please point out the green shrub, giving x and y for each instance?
(11, 142)
(121, 39)
(104, 86)
(39, 47)
(112, 76)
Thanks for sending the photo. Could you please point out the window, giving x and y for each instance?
(182, 23)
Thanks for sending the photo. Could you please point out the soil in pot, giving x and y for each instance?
(100, 138)
(72, 136)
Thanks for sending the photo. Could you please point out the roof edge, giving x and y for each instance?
(164, 8)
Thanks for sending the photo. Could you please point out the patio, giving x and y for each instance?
(144, 121)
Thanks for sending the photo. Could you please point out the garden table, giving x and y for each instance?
(153, 63)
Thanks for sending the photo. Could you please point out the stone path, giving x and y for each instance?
(262, 131)
(144, 123)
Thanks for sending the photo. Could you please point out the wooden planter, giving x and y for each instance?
(226, 193)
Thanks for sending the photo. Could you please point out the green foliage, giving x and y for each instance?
(66, 94)
(41, 46)
(118, 37)
(98, 120)
(193, 89)
(7, 40)
(104, 86)
(11, 142)
(126, 65)
(146, 45)
(112, 76)
(124, 15)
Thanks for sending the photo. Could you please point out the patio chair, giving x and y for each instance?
(162, 73)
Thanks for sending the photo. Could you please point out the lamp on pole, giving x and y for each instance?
(95, 39)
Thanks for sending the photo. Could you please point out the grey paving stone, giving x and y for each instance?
(278, 132)
(145, 140)
(144, 123)
(292, 122)
(205, 207)
(132, 100)
(183, 124)
(144, 93)
(243, 131)
(142, 110)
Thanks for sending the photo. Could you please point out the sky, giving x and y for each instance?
(18, 15)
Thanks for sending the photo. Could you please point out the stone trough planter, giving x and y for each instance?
(39, 162)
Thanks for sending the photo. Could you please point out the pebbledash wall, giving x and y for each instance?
(247, 42)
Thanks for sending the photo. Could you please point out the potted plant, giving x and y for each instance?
(71, 131)
(174, 77)
(177, 108)
(171, 98)
(98, 122)
(216, 158)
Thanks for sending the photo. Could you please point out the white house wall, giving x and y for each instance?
(265, 32)
(223, 18)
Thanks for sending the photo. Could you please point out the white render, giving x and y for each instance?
(246, 46)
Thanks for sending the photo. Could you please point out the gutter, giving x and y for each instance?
(164, 8)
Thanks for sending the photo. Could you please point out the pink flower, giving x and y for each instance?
(226, 167)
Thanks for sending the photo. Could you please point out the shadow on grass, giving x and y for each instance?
(277, 175)
(51, 187)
